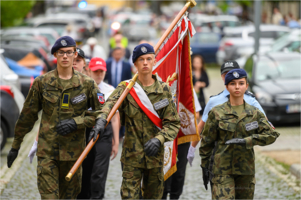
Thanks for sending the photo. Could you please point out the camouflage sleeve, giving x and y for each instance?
(87, 119)
(170, 119)
(209, 135)
(111, 101)
(266, 134)
(29, 114)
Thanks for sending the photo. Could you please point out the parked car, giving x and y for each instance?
(205, 44)
(239, 41)
(275, 80)
(9, 114)
(288, 42)
(48, 32)
(10, 78)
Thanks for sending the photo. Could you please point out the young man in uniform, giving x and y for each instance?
(63, 95)
(231, 131)
(78, 65)
(219, 99)
(143, 148)
(96, 164)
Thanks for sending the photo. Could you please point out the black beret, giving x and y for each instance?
(62, 42)
(141, 50)
(235, 74)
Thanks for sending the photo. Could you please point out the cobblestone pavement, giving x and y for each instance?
(268, 185)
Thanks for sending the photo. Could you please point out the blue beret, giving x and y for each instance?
(141, 50)
(235, 74)
(62, 42)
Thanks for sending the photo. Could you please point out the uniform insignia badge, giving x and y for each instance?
(235, 74)
(252, 125)
(101, 98)
(79, 98)
(65, 101)
(64, 43)
(143, 49)
(229, 64)
(161, 104)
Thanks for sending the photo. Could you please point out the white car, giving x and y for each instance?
(10, 78)
(239, 41)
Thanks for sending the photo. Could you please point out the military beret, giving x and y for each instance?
(141, 50)
(235, 74)
(229, 65)
(62, 42)
(80, 52)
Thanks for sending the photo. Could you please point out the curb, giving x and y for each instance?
(8, 173)
(280, 171)
(295, 169)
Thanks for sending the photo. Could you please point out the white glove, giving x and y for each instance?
(190, 155)
(33, 151)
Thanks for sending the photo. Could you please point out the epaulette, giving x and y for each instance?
(249, 93)
(216, 94)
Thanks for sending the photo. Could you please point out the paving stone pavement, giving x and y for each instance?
(268, 185)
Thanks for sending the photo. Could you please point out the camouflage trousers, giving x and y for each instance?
(152, 183)
(51, 179)
(233, 186)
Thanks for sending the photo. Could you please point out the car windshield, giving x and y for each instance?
(205, 38)
(49, 37)
(283, 68)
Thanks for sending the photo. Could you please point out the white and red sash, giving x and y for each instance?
(145, 104)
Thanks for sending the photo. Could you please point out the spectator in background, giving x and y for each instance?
(92, 49)
(277, 16)
(97, 22)
(69, 31)
(292, 22)
(120, 42)
(118, 69)
(116, 39)
(200, 79)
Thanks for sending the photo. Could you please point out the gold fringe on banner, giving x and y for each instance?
(188, 138)
(170, 172)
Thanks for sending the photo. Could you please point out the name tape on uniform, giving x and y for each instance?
(79, 98)
(161, 104)
(251, 126)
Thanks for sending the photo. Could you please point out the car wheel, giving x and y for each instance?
(3, 134)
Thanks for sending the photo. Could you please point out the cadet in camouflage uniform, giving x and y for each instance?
(63, 95)
(143, 148)
(230, 133)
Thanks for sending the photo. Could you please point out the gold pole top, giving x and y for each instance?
(68, 177)
(190, 3)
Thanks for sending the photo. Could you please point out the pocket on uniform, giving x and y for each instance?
(126, 174)
(49, 102)
(47, 182)
(132, 111)
(227, 130)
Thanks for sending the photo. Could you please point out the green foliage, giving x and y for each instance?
(13, 12)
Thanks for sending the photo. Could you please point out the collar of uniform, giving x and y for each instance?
(247, 111)
(75, 80)
(226, 92)
(156, 89)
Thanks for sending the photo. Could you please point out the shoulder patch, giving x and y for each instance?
(122, 83)
(249, 93)
(216, 94)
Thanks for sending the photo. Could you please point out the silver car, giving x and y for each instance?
(239, 41)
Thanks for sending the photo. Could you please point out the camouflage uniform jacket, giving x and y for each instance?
(224, 124)
(46, 95)
(139, 128)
